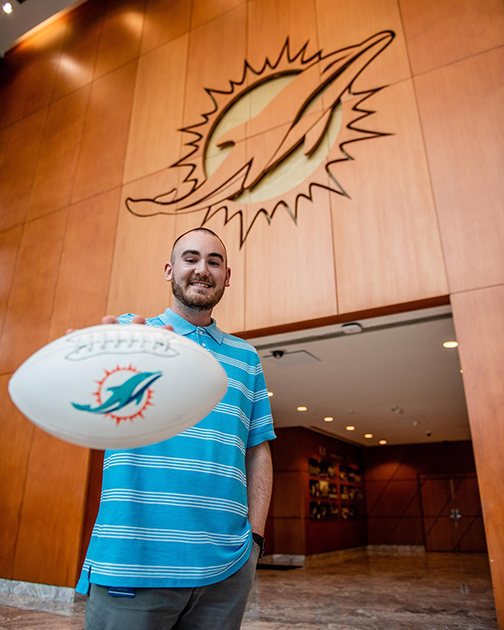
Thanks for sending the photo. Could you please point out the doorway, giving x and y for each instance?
(451, 509)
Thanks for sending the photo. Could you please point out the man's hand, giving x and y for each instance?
(112, 319)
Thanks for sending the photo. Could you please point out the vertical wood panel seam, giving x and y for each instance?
(79, 149)
(128, 127)
(245, 246)
(60, 52)
(21, 505)
(72, 202)
(56, 280)
(8, 293)
(16, 260)
(151, 50)
(76, 569)
(36, 162)
(184, 100)
(112, 258)
(425, 152)
(91, 81)
(99, 38)
(135, 58)
(77, 158)
(329, 193)
(8, 130)
(140, 39)
(195, 28)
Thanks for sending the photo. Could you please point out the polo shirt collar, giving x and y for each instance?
(183, 327)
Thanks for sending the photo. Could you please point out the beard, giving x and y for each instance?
(197, 302)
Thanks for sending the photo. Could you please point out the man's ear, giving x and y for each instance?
(168, 271)
(228, 277)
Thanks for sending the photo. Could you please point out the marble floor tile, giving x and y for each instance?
(429, 592)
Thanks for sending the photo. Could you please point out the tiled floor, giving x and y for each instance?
(431, 592)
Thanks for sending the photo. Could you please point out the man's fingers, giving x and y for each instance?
(112, 319)
(138, 319)
(109, 319)
(167, 327)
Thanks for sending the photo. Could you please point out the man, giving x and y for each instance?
(176, 540)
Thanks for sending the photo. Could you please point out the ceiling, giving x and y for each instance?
(393, 380)
(27, 16)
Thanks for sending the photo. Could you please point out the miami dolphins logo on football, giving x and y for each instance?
(123, 394)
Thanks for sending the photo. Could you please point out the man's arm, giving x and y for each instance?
(259, 485)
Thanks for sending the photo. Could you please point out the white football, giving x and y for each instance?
(118, 386)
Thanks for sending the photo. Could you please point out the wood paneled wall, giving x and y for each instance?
(480, 330)
(392, 491)
(90, 108)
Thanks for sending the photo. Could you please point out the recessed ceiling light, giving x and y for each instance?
(7, 7)
(450, 344)
(302, 408)
(270, 394)
(328, 419)
(350, 428)
(382, 442)
(368, 435)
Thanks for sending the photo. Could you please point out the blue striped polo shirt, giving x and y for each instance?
(174, 514)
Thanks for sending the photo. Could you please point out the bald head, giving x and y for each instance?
(177, 244)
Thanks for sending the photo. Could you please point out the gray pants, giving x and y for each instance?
(218, 606)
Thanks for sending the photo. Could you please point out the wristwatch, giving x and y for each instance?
(259, 540)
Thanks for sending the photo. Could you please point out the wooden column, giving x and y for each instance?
(480, 333)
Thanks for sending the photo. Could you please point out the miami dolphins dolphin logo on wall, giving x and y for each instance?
(128, 396)
(273, 137)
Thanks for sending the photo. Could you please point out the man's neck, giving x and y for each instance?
(198, 318)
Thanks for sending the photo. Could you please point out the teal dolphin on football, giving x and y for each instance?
(131, 390)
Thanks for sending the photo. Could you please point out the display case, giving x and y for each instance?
(335, 490)
(318, 498)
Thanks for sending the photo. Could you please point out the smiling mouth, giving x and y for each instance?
(201, 285)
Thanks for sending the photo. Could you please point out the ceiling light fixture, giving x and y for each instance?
(7, 7)
(302, 408)
(382, 442)
(368, 436)
(450, 344)
(328, 419)
(350, 428)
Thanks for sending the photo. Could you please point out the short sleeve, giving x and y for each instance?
(261, 422)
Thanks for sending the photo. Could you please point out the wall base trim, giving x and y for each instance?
(32, 589)
(396, 550)
(60, 600)
(342, 555)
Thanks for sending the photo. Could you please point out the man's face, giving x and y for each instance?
(198, 271)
